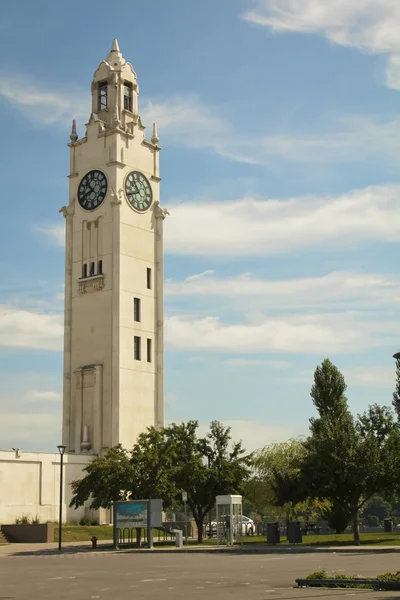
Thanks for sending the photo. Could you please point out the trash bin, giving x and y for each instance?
(294, 533)
(388, 525)
(178, 537)
(273, 533)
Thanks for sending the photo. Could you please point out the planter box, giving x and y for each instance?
(29, 534)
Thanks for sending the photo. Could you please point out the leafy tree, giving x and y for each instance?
(206, 467)
(277, 482)
(164, 463)
(337, 517)
(145, 472)
(108, 479)
(396, 393)
(372, 521)
(376, 507)
(348, 460)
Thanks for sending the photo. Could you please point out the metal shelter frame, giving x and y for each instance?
(229, 517)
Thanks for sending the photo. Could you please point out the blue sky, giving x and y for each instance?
(280, 127)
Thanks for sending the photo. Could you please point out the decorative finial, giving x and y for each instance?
(115, 47)
(73, 137)
(155, 139)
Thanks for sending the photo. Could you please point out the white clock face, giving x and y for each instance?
(138, 191)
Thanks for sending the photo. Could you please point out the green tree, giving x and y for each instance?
(396, 393)
(348, 460)
(145, 472)
(107, 480)
(337, 517)
(376, 507)
(206, 467)
(164, 463)
(277, 482)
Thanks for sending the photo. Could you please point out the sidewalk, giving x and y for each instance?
(106, 547)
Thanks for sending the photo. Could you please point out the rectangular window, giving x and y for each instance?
(91, 269)
(100, 267)
(102, 95)
(84, 270)
(148, 278)
(128, 97)
(148, 350)
(136, 347)
(136, 309)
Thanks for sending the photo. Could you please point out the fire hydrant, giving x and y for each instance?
(94, 542)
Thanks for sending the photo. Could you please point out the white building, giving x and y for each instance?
(113, 328)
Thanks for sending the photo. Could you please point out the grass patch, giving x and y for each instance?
(343, 539)
(82, 533)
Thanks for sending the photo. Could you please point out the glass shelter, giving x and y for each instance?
(229, 520)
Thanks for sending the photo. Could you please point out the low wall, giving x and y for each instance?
(30, 485)
(29, 534)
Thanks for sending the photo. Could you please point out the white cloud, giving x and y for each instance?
(255, 434)
(275, 365)
(54, 233)
(262, 227)
(33, 396)
(30, 431)
(375, 377)
(336, 333)
(199, 275)
(251, 227)
(30, 410)
(41, 105)
(368, 25)
(357, 376)
(338, 288)
(182, 116)
(28, 329)
(185, 120)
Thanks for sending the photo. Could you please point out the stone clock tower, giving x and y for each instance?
(113, 346)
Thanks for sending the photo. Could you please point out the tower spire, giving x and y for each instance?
(155, 139)
(73, 137)
(115, 57)
(115, 47)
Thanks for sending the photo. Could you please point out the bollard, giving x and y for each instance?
(178, 537)
(94, 542)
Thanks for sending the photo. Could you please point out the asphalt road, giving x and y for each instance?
(105, 576)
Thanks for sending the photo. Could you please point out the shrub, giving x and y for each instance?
(323, 575)
(88, 522)
(23, 520)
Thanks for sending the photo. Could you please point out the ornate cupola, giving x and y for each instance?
(115, 92)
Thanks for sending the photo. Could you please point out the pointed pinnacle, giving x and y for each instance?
(115, 47)
(155, 139)
(73, 137)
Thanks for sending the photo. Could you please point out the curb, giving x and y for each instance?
(210, 550)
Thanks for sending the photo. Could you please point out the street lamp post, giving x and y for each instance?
(61, 450)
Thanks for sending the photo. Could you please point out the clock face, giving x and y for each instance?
(138, 191)
(92, 190)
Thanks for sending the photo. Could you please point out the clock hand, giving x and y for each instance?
(133, 182)
(89, 192)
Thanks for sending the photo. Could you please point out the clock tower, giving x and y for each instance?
(113, 338)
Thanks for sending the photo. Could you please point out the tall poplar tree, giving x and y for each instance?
(348, 460)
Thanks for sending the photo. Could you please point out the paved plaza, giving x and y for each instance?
(108, 576)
